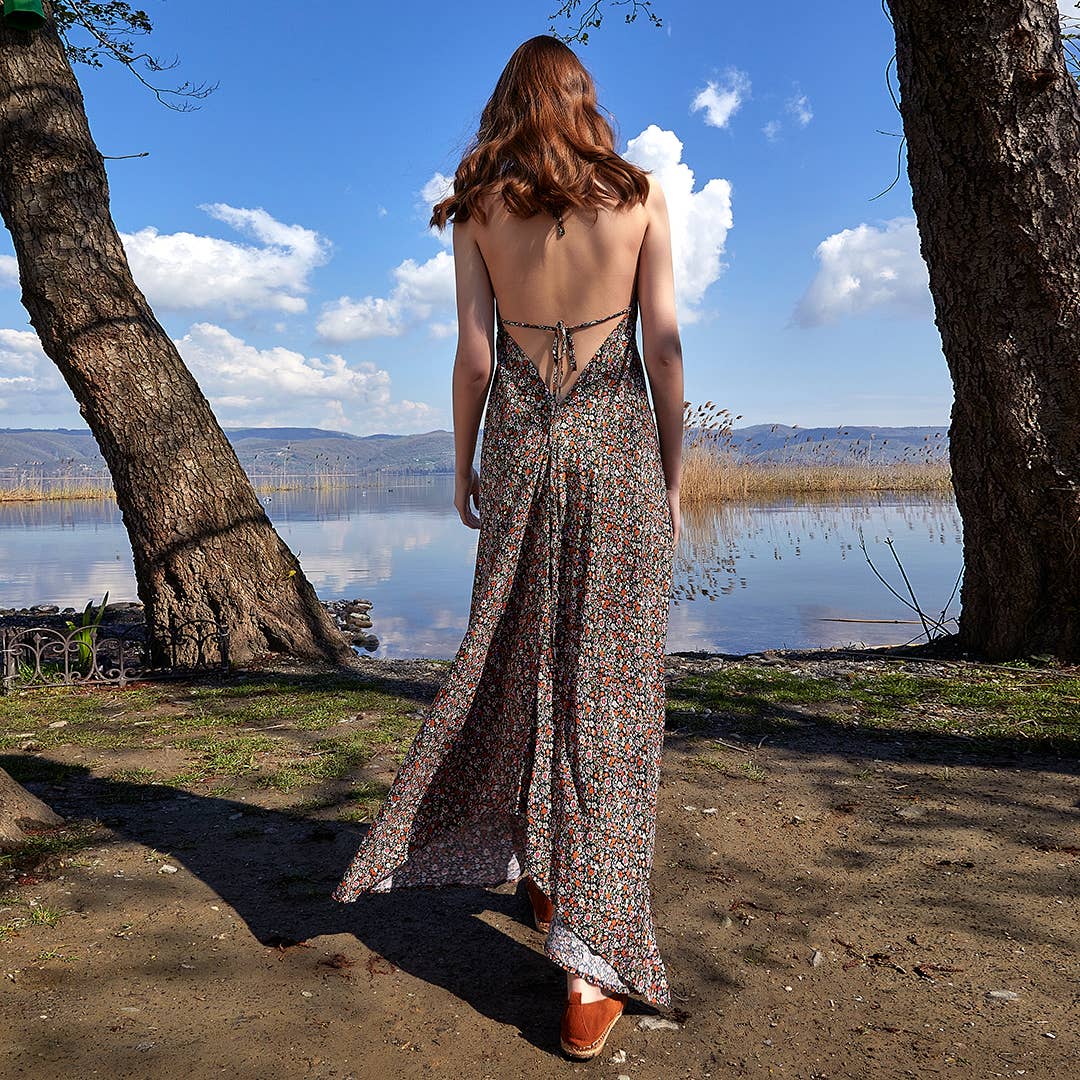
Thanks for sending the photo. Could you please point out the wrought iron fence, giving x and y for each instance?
(36, 656)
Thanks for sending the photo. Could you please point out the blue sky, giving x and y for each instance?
(311, 292)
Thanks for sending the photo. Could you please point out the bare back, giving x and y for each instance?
(538, 276)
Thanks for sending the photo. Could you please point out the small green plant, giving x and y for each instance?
(754, 771)
(87, 629)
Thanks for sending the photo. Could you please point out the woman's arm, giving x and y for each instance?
(660, 340)
(473, 363)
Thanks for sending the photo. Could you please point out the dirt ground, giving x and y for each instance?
(831, 902)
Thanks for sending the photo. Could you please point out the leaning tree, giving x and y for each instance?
(203, 546)
(991, 118)
(992, 123)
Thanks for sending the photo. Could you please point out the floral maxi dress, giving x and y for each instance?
(540, 753)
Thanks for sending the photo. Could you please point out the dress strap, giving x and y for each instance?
(563, 345)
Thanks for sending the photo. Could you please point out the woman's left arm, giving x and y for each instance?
(473, 363)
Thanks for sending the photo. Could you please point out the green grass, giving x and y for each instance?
(1034, 710)
(63, 840)
(113, 718)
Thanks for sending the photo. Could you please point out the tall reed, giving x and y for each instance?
(717, 468)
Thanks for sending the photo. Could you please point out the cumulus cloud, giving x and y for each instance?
(435, 190)
(422, 290)
(866, 269)
(700, 220)
(721, 100)
(9, 271)
(278, 386)
(27, 376)
(185, 271)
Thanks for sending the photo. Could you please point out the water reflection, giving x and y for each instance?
(747, 576)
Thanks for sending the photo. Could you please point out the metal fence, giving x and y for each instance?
(37, 656)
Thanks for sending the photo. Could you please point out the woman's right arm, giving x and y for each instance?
(662, 349)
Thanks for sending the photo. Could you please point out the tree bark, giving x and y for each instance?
(203, 546)
(992, 120)
(19, 808)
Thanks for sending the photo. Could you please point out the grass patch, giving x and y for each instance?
(993, 707)
(335, 757)
(364, 802)
(113, 718)
(49, 844)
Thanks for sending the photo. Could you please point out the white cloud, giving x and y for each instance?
(868, 268)
(9, 271)
(346, 319)
(700, 220)
(27, 375)
(435, 190)
(722, 100)
(772, 130)
(1069, 8)
(422, 289)
(442, 329)
(277, 386)
(799, 107)
(187, 272)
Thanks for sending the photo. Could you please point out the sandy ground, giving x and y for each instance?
(841, 908)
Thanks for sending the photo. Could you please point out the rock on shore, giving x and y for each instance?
(352, 618)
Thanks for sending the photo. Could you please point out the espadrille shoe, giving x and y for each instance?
(543, 908)
(585, 1028)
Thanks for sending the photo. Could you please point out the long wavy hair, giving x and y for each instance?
(542, 142)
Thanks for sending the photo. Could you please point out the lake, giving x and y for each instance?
(748, 576)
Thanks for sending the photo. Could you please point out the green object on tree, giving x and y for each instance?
(24, 14)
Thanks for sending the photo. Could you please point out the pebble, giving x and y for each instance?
(656, 1023)
(618, 1058)
(166, 869)
(1002, 995)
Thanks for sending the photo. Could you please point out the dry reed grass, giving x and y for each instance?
(716, 470)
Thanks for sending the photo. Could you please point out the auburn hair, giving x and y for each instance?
(542, 142)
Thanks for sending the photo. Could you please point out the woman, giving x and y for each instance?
(540, 755)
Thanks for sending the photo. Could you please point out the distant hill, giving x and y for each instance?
(296, 451)
(308, 451)
(779, 442)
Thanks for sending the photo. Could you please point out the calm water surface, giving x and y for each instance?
(748, 576)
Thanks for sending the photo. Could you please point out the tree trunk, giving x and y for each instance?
(203, 545)
(19, 808)
(992, 120)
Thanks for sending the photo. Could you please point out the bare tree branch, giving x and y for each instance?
(112, 27)
(591, 16)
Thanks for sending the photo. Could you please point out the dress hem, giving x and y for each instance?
(634, 991)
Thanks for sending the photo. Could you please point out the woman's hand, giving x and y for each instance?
(676, 517)
(467, 485)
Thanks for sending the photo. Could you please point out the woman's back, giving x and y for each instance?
(538, 276)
